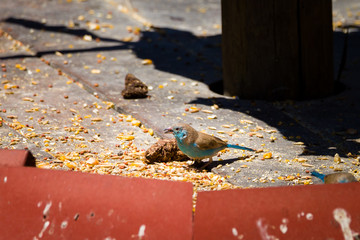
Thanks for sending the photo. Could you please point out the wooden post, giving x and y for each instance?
(277, 49)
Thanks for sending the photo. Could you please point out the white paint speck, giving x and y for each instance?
(234, 232)
(46, 225)
(64, 224)
(263, 230)
(60, 206)
(283, 226)
(141, 232)
(52, 228)
(111, 211)
(341, 216)
(5, 179)
(39, 204)
(309, 216)
(47, 208)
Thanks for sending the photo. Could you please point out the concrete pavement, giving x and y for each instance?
(64, 65)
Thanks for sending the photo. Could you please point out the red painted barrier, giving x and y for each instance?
(48, 204)
(330, 211)
(16, 158)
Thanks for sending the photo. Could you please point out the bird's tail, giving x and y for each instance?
(239, 147)
(319, 175)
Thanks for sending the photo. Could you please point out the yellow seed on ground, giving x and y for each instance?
(212, 117)
(87, 38)
(43, 165)
(95, 71)
(146, 62)
(71, 165)
(136, 123)
(151, 132)
(128, 137)
(301, 160)
(109, 104)
(207, 111)
(337, 158)
(307, 165)
(96, 119)
(272, 138)
(28, 99)
(92, 161)
(194, 109)
(267, 155)
(244, 121)
(290, 178)
(307, 182)
(127, 39)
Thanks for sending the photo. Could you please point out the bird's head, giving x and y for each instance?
(180, 131)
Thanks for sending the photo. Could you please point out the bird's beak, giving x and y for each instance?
(168, 130)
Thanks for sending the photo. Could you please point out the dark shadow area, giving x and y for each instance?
(199, 58)
(175, 51)
(318, 142)
(56, 29)
(184, 54)
(204, 165)
(215, 164)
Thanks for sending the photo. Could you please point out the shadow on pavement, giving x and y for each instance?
(175, 51)
(199, 58)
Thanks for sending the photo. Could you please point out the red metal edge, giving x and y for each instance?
(327, 211)
(51, 204)
(16, 158)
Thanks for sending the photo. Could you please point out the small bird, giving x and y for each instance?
(198, 145)
(335, 177)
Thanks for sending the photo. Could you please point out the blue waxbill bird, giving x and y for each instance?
(341, 177)
(198, 145)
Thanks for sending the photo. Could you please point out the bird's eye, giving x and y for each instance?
(177, 129)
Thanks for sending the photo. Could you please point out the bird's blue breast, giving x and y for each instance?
(193, 151)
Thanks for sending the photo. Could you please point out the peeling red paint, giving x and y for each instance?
(297, 212)
(49, 204)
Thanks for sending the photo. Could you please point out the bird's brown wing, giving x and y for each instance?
(205, 141)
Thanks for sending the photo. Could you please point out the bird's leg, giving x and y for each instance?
(206, 164)
(196, 163)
